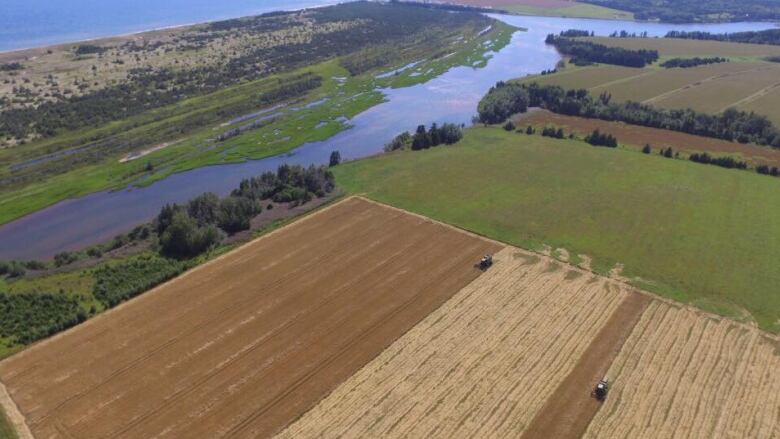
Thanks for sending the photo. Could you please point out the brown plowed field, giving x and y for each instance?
(686, 374)
(247, 343)
(480, 366)
(640, 136)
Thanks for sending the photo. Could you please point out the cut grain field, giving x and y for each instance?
(482, 365)
(245, 344)
(517, 352)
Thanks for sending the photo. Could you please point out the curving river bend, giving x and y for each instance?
(451, 97)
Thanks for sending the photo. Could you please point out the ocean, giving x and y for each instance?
(35, 23)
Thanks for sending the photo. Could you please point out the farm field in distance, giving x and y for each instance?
(508, 357)
(551, 8)
(668, 226)
(747, 82)
(637, 136)
(248, 342)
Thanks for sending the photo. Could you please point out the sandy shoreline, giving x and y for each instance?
(126, 35)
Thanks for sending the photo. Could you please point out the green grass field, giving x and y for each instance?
(576, 10)
(694, 233)
(6, 430)
(747, 82)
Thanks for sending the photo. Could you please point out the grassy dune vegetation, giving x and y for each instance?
(697, 234)
(6, 430)
(205, 99)
(747, 82)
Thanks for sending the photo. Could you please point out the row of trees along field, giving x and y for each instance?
(586, 52)
(423, 138)
(731, 125)
(688, 11)
(685, 63)
(770, 36)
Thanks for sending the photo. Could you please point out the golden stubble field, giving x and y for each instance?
(508, 357)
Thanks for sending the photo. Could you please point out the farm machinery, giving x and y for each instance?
(486, 262)
(600, 392)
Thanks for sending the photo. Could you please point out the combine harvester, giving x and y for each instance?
(600, 392)
(486, 262)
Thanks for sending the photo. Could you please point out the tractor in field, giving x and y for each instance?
(600, 392)
(486, 262)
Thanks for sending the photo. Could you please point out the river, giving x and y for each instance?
(451, 97)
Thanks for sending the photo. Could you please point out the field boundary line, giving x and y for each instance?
(755, 96)
(17, 419)
(241, 248)
(619, 280)
(622, 80)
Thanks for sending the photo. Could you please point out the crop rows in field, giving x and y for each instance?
(480, 366)
(684, 374)
(245, 344)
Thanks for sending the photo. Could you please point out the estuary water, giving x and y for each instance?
(451, 97)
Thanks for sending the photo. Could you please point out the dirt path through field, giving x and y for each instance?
(570, 408)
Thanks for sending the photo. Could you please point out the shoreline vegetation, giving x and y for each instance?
(43, 165)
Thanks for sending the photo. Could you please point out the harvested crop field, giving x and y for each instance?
(245, 344)
(483, 364)
(685, 374)
(517, 352)
(639, 136)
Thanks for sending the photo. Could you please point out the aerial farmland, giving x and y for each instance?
(362, 320)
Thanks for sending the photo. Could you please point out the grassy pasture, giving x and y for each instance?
(694, 233)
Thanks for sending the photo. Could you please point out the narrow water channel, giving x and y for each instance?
(451, 97)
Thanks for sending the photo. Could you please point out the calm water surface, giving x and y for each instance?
(452, 97)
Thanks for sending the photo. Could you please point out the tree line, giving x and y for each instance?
(731, 124)
(691, 62)
(585, 53)
(769, 36)
(446, 134)
(185, 231)
(689, 11)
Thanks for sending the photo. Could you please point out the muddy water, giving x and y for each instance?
(451, 97)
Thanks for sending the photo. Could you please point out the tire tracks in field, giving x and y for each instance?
(699, 82)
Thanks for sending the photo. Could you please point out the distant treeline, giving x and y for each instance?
(688, 11)
(10, 67)
(691, 62)
(502, 101)
(770, 36)
(586, 52)
(729, 125)
(423, 138)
